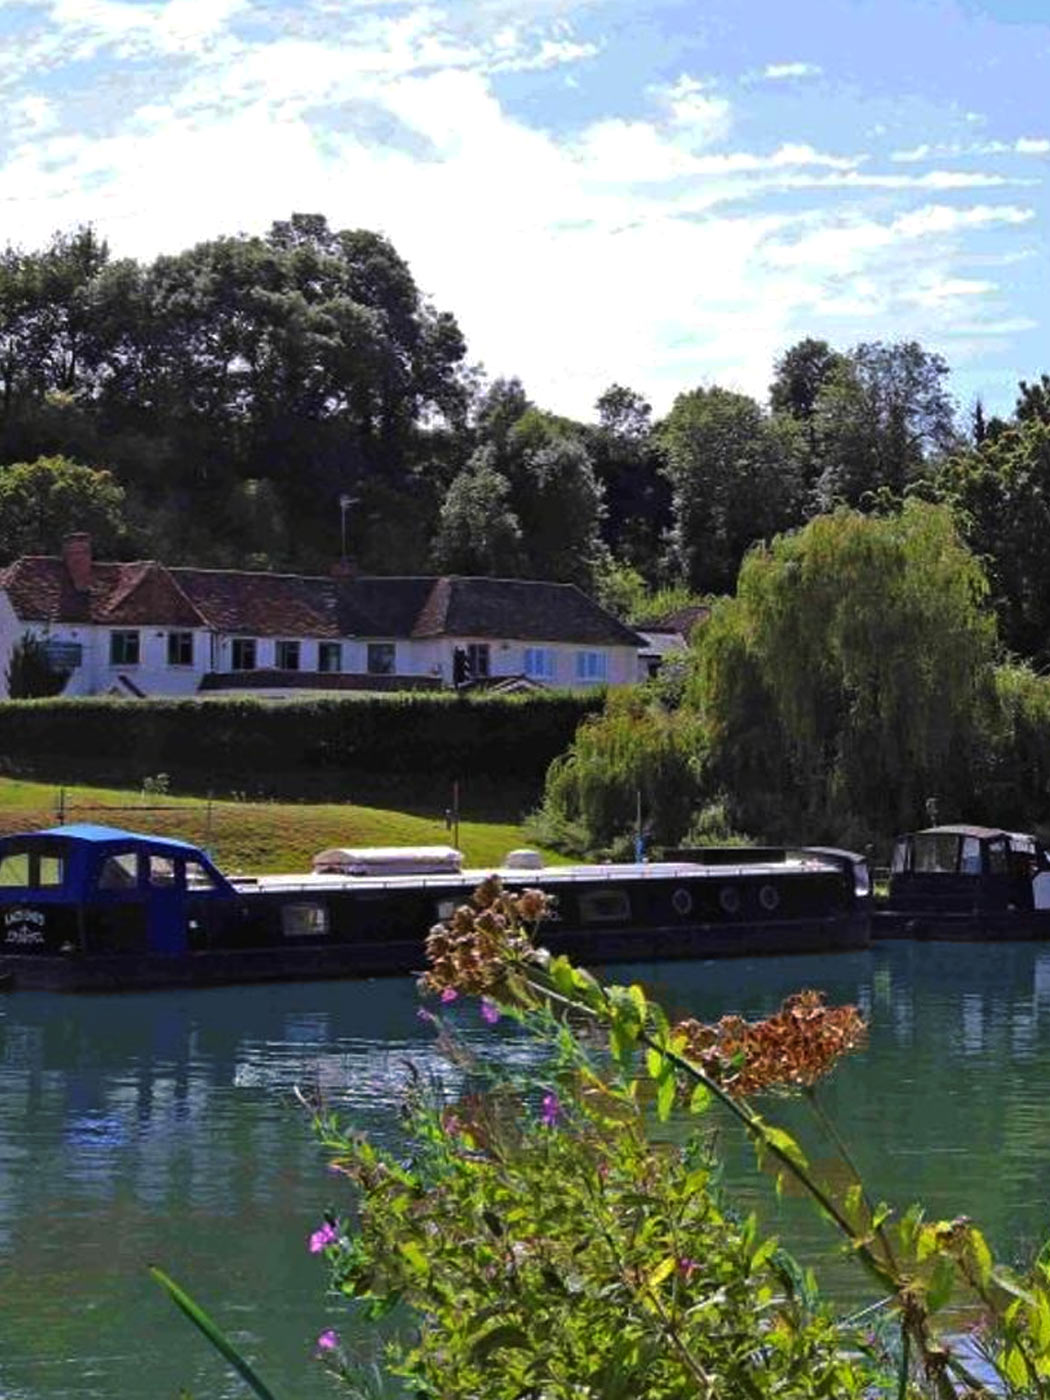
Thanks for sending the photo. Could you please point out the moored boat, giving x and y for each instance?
(95, 908)
(966, 883)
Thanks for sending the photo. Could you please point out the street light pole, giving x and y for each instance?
(345, 502)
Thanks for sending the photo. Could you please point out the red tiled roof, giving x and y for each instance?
(147, 593)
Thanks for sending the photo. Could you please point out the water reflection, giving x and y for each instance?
(164, 1128)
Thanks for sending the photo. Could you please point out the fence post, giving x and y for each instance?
(61, 806)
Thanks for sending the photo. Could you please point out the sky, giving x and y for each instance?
(661, 195)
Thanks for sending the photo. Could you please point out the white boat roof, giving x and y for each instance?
(549, 877)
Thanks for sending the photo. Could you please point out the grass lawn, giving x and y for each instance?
(253, 836)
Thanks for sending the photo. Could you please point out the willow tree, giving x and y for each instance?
(848, 681)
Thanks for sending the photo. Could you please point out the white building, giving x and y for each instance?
(147, 629)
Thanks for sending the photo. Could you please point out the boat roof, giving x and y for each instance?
(549, 876)
(980, 833)
(91, 834)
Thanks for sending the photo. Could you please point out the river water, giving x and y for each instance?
(164, 1128)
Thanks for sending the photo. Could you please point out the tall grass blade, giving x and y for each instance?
(218, 1338)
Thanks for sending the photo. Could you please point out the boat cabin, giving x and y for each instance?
(97, 889)
(964, 872)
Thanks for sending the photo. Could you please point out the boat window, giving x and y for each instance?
(899, 863)
(304, 920)
(119, 872)
(604, 907)
(970, 863)
(198, 877)
(998, 857)
(161, 870)
(936, 853)
(14, 869)
(52, 872)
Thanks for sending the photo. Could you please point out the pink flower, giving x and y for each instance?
(688, 1267)
(550, 1111)
(322, 1238)
(449, 994)
(490, 1012)
(328, 1340)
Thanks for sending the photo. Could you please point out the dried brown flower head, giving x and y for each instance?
(793, 1048)
(472, 951)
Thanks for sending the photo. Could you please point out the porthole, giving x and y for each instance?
(729, 899)
(683, 902)
(769, 898)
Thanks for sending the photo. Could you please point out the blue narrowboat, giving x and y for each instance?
(87, 907)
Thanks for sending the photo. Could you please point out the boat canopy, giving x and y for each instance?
(388, 860)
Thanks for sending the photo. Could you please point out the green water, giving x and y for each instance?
(165, 1129)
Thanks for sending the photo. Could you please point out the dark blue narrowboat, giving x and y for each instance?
(968, 883)
(96, 908)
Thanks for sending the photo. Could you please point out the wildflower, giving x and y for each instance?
(687, 1267)
(490, 1012)
(449, 994)
(793, 1048)
(550, 1111)
(328, 1340)
(322, 1238)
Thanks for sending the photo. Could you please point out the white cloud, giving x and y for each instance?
(777, 72)
(642, 247)
(1022, 146)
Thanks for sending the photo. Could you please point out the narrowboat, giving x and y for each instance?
(968, 883)
(87, 907)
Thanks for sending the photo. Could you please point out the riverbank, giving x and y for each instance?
(254, 836)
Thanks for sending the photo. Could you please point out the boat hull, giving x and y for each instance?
(217, 967)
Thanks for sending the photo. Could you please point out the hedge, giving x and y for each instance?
(248, 742)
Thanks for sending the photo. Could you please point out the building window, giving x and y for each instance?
(381, 658)
(286, 656)
(180, 648)
(242, 654)
(539, 663)
(124, 648)
(591, 666)
(329, 657)
(478, 659)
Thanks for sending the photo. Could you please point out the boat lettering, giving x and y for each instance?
(24, 926)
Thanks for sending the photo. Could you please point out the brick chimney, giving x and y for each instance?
(76, 555)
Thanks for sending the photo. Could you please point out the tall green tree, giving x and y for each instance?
(41, 502)
(1002, 495)
(735, 479)
(478, 531)
(882, 416)
(628, 464)
(848, 680)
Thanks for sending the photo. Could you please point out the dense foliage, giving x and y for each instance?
(260, 747)
(547, 1232)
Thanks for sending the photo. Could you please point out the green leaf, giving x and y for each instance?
(638, 997)
(413, 1255)
(665, 1097)
(662, 1270)
(654, 1063)
(700, 1099)
(765, 1251)
(784, 1144)
(214, 1334)
(942, 1281)
(560, 972)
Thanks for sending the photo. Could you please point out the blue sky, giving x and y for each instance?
(662, 196)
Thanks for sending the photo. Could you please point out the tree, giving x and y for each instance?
(735, 479)
(628, 464)
(847, 680)
(43, 501)
(882, 415)
(31, 674)
(1001, 494)
(478, 531)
